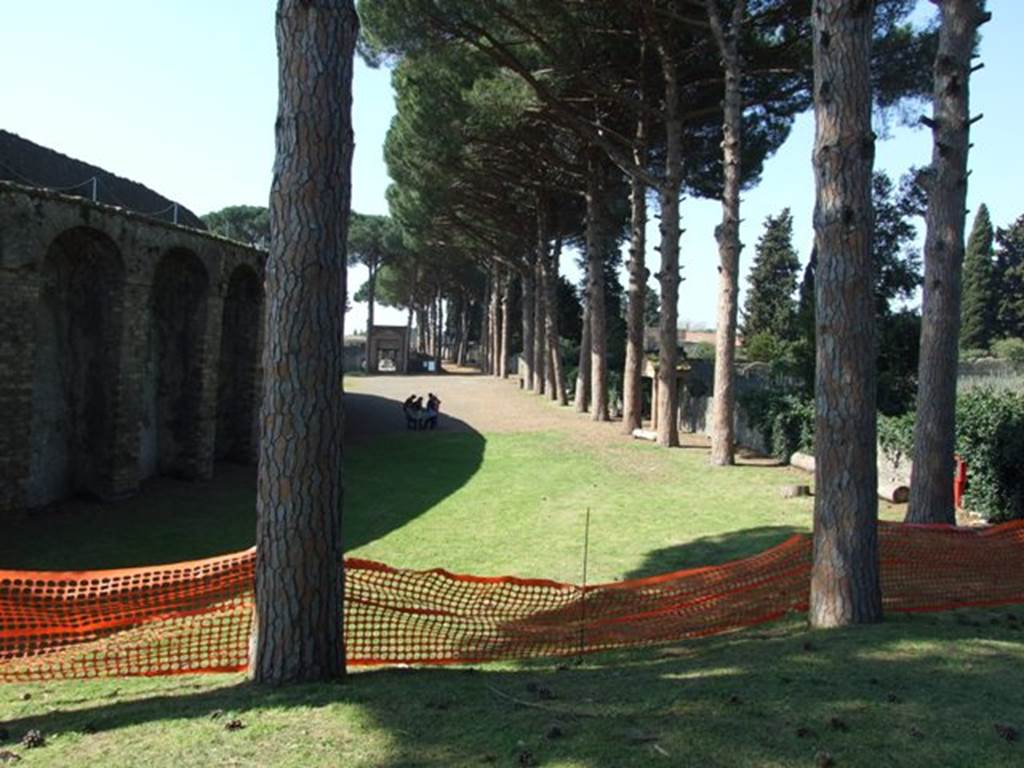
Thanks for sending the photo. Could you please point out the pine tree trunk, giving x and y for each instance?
(485, 328)
(540, 356)
(298, 634)
(632, 375)
(506, 331)
(495, 321)
(528, 325)
(421, 330)
(844, 576)
(668, 277)
(723, 405)
(581, 399)
(931, 481)
(596, 203)
(371, 294)
(460, 355)
(440, 329)
(556, 376)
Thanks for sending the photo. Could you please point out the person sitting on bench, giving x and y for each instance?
(433, 410)
(413, 409)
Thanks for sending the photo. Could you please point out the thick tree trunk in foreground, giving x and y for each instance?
(844, 575)
(582, 396)
(299, 569)
(723, 407)
(528, 325)
(596, 208)
(632, 381)
(931, 481)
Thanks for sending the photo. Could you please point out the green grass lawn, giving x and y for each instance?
(915, 691)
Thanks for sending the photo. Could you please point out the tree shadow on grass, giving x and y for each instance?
(926, 690)
(392, 475)
(713, 550)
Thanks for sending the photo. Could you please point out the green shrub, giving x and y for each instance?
(896, 435)
(990, 438)
(786, 420)
(1009, 349)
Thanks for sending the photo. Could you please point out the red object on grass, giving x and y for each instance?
(959, 482)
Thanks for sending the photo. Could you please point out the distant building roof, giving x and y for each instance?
(25, 162)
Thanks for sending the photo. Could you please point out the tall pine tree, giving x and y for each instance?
(1009, 277)
(770, 308)
(977, 311)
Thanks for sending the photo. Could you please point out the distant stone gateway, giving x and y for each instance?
(129, 347)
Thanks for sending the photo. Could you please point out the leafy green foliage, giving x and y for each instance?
(977, 309)
(785, 419)
(1009, 278)
(770, 308)
(990, 438)
(244, 223)
(1009, 349)
(896, 435)
(652, 307)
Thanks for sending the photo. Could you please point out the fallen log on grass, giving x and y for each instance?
(896, 492)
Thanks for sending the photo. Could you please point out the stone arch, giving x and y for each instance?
(76, 367)
(173, 366)
(239, 365)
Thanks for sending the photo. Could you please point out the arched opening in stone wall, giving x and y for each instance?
(76, 367)
(173, 367)
(239, 364)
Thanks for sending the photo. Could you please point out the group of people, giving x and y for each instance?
(420, 416)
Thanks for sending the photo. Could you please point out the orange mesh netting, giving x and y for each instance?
(196, 617)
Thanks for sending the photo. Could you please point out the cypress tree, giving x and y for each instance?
(977, 313)
(770, 307)
(1009, 279)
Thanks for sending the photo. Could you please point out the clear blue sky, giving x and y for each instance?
(181, 95)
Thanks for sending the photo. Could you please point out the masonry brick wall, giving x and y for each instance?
(31, 221)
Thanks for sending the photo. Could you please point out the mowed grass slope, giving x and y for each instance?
(915, 691)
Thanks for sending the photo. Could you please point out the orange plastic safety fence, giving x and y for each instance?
(196, 616)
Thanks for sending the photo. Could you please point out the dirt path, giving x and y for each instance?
(470, 401)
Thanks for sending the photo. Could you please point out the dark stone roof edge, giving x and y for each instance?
(49, 194)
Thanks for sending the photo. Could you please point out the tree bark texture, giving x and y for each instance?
(298, 633)
(528, 325)
(581, 400)
(668, 276)
(844, 574)
(371, 283)
(506, 334)
(595, 234)
(723, 405)
(463, 330)
(931, 482)
(632, 374)
(485, 328)
(540, 355)
(439, 328)
(556, 376)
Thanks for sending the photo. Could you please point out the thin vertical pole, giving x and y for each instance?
(583, 597)
(94, 188)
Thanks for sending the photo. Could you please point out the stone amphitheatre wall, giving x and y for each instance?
(128, 348)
